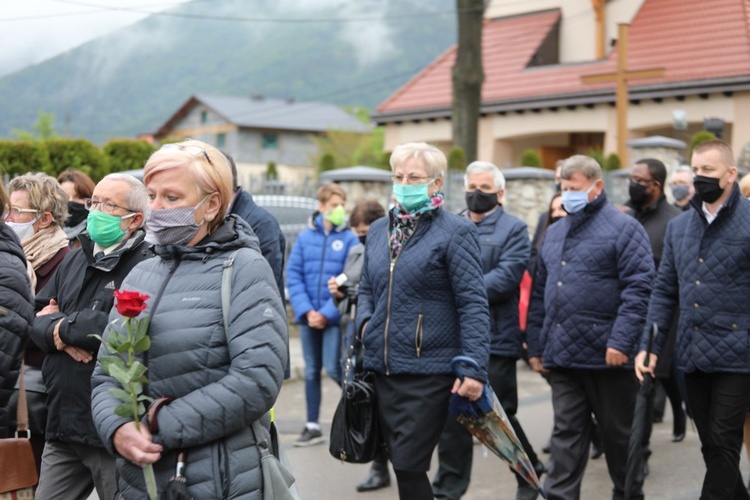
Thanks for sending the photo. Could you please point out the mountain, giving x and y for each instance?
(132, 80)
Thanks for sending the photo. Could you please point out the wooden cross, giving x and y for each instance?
(621, 77)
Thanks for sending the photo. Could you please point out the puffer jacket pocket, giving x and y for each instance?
(419, 334)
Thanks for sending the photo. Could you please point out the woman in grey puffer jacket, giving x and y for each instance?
(222, 381)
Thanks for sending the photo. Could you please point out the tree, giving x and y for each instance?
(271, 172)
(44, 128)
(531, 158)
(468, 77)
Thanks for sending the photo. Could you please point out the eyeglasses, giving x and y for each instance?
(410, 179)
(191, 150)
(17, 211)
(106, 206)
(642, 181)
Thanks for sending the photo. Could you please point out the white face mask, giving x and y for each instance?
(24, 230)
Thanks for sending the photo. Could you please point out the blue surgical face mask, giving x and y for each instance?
(575, 201)
(411, 196)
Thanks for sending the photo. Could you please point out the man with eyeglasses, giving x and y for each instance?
(72, 306)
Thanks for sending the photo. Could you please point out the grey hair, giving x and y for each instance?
(137, 197)
(477, 167)
(684, 169)
(583, 164)
(433, 159)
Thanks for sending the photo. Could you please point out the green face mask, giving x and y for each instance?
(411, 196)
(336, 216)
(104, 229)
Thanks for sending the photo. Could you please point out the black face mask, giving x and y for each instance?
(638, 194)
(708, 188)
(77, 213)
(362, 238)
(480, 202)
(552, 220)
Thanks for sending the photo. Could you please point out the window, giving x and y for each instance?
(270, 141)
(221, 140)
(204, 116)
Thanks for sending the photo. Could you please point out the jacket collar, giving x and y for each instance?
(489, 219)
(110, 261)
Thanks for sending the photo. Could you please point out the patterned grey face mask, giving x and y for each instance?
(172, 226)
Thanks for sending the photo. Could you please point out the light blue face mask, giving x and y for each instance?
(575, 201)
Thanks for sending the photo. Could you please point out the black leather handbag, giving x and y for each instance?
(355, 430)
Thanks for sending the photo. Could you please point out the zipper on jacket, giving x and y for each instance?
(390, 293)
(322, 267)
(419, 335)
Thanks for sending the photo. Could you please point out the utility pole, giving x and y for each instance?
(468, 77)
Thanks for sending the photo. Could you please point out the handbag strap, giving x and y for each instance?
(260, 439)
(22, 409)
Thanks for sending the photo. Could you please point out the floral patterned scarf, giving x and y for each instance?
(403, 223)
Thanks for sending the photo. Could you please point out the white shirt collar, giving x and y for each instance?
(709, 217)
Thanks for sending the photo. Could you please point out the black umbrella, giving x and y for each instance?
(177, 487)
(644, 405)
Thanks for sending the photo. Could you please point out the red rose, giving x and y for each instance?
(130, 304)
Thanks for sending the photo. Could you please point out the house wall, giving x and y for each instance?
(578, 27)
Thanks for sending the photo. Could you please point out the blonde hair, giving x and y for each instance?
(724, 149)
(45, 195)
(208, 166)
(435, 163)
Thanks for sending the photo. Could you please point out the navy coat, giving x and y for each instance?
(705, 271)
(594, 275)
(504, 241)
(427, 305)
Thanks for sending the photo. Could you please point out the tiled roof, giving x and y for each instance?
(693, 40)
(271, 114)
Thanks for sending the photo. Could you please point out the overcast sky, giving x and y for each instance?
(34, 30)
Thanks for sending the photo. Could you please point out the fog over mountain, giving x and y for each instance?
(131, 80)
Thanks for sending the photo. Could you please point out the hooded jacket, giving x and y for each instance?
(315, 258)
(222, 381)
(16, 316)
(84, 291)
(594, 275)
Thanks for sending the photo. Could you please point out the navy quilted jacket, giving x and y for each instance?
(315, 258)
(593, 279)
(505, 246)
(706, 269)
(427, 305)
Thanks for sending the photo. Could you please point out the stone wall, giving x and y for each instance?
(527, 193)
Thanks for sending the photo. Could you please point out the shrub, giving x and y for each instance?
(612, 162)
(598, 155)
(127, 154)
(19, 157)
(699, 138)
(271, 172)
(531, 158)
(327, 162)
(79, 154)
(457, 159)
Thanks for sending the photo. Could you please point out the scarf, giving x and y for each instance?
(42, 247)
(404, 223)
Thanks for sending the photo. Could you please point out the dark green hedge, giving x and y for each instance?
(127, 154)
(19, 157)
(78, 154)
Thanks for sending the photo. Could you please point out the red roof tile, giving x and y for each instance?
(691, 39)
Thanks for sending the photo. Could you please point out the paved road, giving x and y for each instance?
(676, 468)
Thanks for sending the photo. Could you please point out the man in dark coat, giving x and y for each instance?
(650, 207)
(704, 274)
(74, 305)
(504, 241)
(270, 237)
(588, 305)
